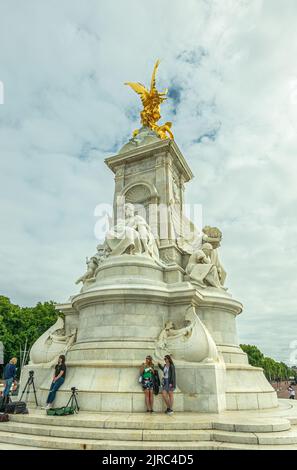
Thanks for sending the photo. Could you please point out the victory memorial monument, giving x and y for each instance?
(154, 286)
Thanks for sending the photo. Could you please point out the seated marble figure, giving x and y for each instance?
(132, 236)
(201, 269)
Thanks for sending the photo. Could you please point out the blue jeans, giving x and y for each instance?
(8, 384)
(53, 390)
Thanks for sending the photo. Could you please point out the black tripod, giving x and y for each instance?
(27, 387)
(72, 402)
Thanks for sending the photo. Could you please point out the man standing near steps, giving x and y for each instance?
(9, 375)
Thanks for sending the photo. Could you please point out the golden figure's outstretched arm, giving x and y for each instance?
(140, 90)
(153, 79)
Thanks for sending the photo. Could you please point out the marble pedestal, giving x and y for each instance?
(119, 318)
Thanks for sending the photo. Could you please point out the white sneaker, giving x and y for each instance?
(48, 406)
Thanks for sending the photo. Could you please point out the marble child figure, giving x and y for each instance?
(201, 269)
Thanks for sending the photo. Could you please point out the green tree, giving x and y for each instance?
(255, 356)
(272, 369)
(21, 324)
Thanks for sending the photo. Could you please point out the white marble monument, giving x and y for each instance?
(155, 286)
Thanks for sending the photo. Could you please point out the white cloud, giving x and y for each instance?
(63, 64)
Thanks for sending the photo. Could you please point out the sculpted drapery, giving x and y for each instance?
(132, 236)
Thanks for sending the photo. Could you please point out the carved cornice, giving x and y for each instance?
(167, 147)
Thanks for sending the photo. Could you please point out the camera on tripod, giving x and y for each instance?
(72, 402)
(31, 377)
(27, 388)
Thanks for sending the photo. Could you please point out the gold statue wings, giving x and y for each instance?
(151, 100)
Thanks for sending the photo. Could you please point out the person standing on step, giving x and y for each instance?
(147, 371)
(9, 376)
(58, 380)
(168, 383)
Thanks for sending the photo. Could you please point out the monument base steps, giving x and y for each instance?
(269, 429)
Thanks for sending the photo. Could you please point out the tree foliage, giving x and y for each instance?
(18, 324)
(272, 369)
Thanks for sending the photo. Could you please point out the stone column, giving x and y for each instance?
(119, 180)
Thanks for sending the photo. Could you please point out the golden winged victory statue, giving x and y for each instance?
(151, 100)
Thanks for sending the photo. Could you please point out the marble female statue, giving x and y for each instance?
(132, 236)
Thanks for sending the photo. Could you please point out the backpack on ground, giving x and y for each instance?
(16, 407)
(4, 417)
(3, 402)
(63, 411)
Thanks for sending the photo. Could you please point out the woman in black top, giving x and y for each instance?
(58, 380)
(168, 382)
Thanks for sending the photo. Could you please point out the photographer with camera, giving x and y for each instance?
(58, 380)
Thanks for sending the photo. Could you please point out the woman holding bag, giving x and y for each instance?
(147, 373)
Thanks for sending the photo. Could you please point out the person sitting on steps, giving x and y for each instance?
(58, 380)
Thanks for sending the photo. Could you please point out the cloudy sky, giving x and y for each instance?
(231, 70)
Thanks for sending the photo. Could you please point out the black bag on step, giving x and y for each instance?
(16, 407)
(4, 417)
(3, 402)
(21, 408)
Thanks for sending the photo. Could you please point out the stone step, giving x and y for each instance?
(157, 421)
(91, 444)
(139, 435)
(16, 447)
(141, 422)
(233, 446)
(279, 438)
(103, 434)
(253, 425)
(131, 431)
(268, 438)
(47, 442)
